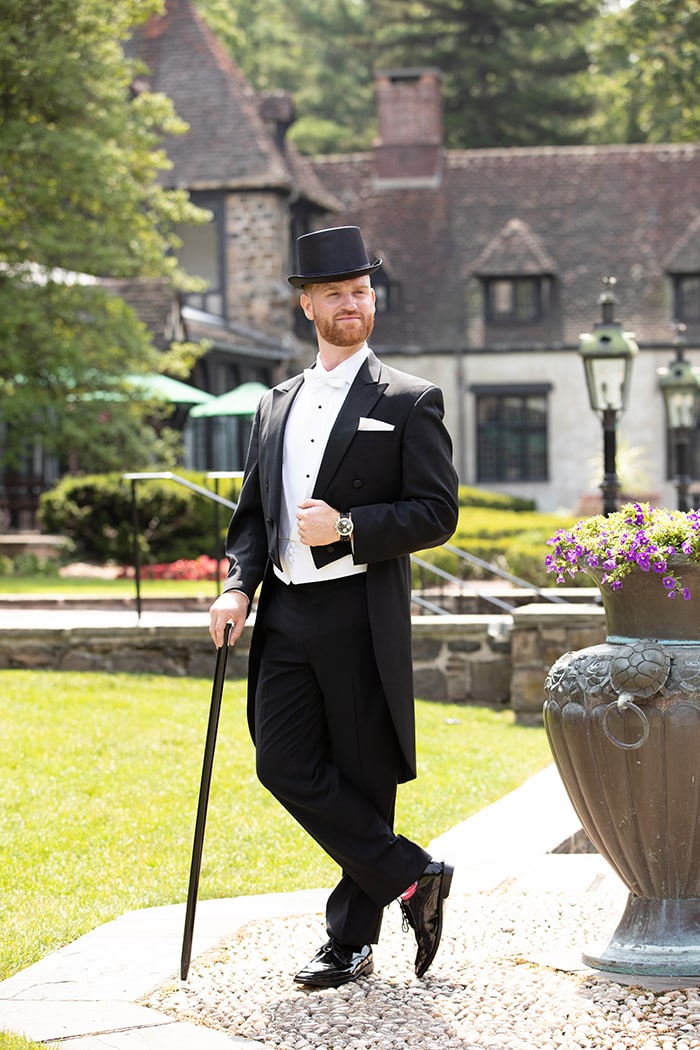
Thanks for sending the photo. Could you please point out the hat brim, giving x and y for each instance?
(299, 280)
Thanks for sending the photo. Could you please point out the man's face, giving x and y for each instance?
(343, 311)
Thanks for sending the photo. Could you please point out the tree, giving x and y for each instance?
(79, 163)
(322, 53)
(512, 67)
(646, 68)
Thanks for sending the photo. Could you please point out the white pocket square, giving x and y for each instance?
(373, 424)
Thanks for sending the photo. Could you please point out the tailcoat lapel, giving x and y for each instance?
(272, 441)
(361, 399)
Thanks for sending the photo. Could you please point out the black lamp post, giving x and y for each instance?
(607, 354)
(680, 387)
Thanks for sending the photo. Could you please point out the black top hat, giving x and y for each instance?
(336, 254)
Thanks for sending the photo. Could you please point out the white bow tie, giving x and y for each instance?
(318, 377)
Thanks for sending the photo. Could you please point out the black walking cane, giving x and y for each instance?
(210, 744)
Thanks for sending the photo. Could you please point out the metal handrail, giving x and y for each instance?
(169, 475)
(423, 603)
(460, 583)
(545, 594)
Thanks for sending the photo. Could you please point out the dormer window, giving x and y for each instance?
(385, 285)
(385, 290)
(513, 300)
(517, 275)
(686, 298)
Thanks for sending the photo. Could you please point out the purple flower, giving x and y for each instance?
(641, 537)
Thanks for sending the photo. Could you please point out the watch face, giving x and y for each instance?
(344, 527)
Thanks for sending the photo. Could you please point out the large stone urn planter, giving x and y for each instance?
(623, 722)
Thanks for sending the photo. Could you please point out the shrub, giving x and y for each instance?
(96, 513)
(472, 497)
(513, 541)
(28, 565)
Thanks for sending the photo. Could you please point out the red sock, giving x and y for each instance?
(407, 894)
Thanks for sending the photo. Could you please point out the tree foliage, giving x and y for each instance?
(322, 53)
(646, 69)
(510, 66)
(79, 162)
(516, 72)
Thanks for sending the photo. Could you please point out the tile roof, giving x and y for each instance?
(583, 212)
(229, 144)
(155, 303)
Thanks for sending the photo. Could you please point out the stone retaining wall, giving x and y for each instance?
(462, 659)
(488, 660)
(168, 650)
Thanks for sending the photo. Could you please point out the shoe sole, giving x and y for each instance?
(320, 983)
(444, 892)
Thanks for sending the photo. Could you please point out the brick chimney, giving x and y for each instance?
(409, 109)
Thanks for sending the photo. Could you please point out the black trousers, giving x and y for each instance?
(326, 747)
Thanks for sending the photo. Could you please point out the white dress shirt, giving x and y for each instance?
(309, 424)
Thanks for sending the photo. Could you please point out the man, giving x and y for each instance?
(349, 470)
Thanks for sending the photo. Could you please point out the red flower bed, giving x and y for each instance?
(201, 568)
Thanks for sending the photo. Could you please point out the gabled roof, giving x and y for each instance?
(237, 339)
(514, 250)
(586, 212)
(229, 144)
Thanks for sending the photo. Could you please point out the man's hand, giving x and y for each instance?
(316, 523)
(230, 607)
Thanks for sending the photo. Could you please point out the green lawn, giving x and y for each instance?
(17, 1042)
(100, 777)
(94, 587)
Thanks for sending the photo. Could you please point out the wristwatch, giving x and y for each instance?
(344, 525)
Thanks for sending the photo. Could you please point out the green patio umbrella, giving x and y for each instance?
(241, 401)
(164, 388)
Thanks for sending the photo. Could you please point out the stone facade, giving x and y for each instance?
(113, 649)
(257, 260)
(462, 659)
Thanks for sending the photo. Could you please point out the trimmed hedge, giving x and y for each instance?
(471, 497)
(95, 512)
(512, 540)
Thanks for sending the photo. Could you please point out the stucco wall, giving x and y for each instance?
(575, 437)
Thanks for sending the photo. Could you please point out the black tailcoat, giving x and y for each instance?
(401, 487)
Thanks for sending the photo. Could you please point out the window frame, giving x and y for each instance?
(510, 434)
(681, 298)
(214, 202)
(516, 316)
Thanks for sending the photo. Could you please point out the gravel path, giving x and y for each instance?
(507, 977)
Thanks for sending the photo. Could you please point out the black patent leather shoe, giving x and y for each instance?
(423, 911)
(336, 964)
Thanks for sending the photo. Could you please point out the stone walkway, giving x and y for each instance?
(508, 975)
